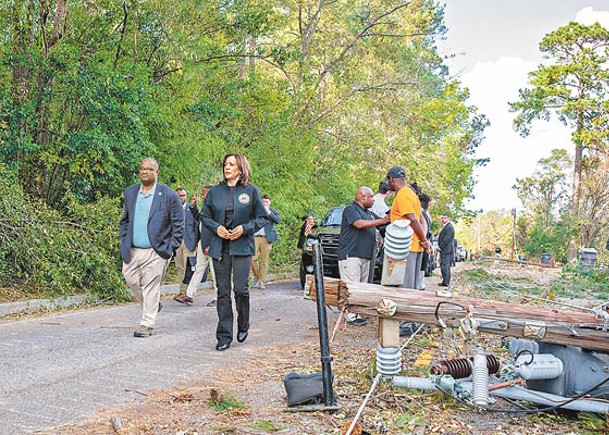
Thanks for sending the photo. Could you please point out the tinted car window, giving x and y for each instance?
(334, 217)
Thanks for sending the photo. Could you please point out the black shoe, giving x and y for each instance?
(408, 328)
(357, 321)
(443, 285)
(241, 336)
(222, 347)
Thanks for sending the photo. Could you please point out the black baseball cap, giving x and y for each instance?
(396, 172)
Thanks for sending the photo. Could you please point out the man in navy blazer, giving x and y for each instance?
(151, 230)
(446, 241)
(264, 239)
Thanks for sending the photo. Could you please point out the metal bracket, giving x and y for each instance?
(498, 325)
(534, 330)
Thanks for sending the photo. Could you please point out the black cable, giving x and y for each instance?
(525, 411)
(525, 351)
(436, 313)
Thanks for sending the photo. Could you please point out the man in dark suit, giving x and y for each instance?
(446, 247)
(187, 250)
(264, 239)
(151, 230)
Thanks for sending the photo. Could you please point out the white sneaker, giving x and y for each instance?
(255, 282)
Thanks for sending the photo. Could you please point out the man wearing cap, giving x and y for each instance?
(356, 242)
(406, 205)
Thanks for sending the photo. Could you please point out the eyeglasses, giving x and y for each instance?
(183, 196)
(146, 169)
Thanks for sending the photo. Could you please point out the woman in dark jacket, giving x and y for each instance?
(233, 212)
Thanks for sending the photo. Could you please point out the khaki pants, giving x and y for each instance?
(203, 261)
(144, 274)
(354, 269)
(181, 259)
(263, 251)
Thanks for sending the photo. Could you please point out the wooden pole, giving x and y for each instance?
(524, 263)
(551, 325)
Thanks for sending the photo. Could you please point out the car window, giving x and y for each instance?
(334, 216)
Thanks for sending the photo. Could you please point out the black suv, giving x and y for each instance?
(328, 233)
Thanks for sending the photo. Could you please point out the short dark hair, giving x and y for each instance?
(424, 199)
(266, 196)
(384, 187)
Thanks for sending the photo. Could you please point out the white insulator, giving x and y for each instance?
(398, 239)
(480, 380)
(542, 366)
(388, 360)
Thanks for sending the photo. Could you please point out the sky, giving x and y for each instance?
(492, 46)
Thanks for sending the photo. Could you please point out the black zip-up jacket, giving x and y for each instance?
(248, 212)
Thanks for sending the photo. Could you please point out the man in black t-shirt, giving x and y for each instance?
(357, 237)
(356, 242)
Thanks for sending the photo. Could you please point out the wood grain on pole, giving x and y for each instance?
(550, 325)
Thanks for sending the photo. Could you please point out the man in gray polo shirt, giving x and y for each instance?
(357, 239)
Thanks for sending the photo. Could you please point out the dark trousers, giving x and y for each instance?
(240, 269)
(446, 260)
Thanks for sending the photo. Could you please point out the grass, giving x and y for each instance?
(406, 418)
(574, 284)
(230, 401)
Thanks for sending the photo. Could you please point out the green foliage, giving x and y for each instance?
(575, 89)
(230, 401)
(407, 419)
(552, 237)
(573, 283)
(59, 254)
(321, 97)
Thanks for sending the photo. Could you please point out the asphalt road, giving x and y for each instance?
(64, 367)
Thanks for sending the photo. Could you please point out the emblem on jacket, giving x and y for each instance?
(244, 198)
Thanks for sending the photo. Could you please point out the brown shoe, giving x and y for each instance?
(187, 300)
(180, 298)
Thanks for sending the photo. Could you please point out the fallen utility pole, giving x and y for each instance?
(550, 325)
(522, 262)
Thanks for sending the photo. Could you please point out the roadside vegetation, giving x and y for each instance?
(322, 97)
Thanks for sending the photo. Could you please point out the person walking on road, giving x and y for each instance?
(151, 229)
(446, 247)
(264, 239)
(356, 242)
(203, 259)
(233, 212)
(189, 245)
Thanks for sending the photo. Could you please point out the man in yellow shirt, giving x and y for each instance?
(406, 205)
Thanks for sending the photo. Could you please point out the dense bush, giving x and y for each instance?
(53, 253)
